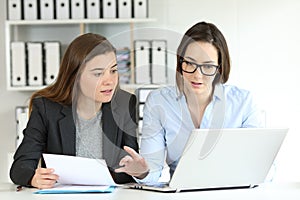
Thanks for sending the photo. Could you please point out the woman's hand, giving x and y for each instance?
(133, 164)
(44, 178)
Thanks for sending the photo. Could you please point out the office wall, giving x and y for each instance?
(263, 37)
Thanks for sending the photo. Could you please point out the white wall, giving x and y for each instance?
(263, 37)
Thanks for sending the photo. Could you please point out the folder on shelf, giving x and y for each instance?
(124, 9)
(143, 94)
(140, 8)
(14, 9)
(141, 108)
(62, 9)
(93, 9)
(51, 60)
(159, 62)
(21, 119)
(109, 9)
(142, 61)
(18, 64)
(30, 9)
(35, 63)
(77, 9)
(47, 9)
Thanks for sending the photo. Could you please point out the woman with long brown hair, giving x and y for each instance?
(83, 113)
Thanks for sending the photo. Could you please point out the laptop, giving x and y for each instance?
(223, 159)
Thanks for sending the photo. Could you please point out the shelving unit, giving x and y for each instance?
(12, 29)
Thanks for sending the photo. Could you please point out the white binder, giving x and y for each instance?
(77, 9)
(14, 9)
(62, 9)
(30, 9)
(52, 61)
(22, 119)
(18, 64)
(142, 61)
(143, 94)
(140, 8)
(35, 63)
(141, 108)
(124, 8)
(159, 62)
(93, 9)
(47, 9)
(109, 9)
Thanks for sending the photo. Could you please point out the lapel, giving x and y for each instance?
(67, 131)
(112, 139)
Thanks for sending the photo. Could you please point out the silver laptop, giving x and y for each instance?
(224, 159)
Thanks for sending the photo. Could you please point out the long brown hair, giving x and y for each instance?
(205, 32)
(78, 52)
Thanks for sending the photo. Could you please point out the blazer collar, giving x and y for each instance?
(67, 131)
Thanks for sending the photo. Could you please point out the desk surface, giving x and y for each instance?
(270, 191)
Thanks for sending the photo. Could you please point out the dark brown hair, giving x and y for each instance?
(205, 32)
(81, 49)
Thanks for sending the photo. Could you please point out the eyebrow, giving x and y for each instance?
(193, 60)
(98, 68)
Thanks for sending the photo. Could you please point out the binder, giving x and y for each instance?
(62, 9)
(159, 62)
(14, 9)
(35, 63)
(141, 108)
(109, 9)
(93, 9)
(21, 119)
(124, 8)
(51, 60)
(47, 9)
(77, 9)
(18, 64)
(30, 9)
(142, 61)
(143, 94)
(140, 8)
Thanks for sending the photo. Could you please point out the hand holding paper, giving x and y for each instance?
(79, 170)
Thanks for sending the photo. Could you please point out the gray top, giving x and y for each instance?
(89, 137)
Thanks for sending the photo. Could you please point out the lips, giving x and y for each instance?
(196, 84)
(108, 91)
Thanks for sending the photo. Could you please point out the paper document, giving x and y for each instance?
(74, 170)
(71, 189)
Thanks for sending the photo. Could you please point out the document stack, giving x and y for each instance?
(150, 61)
(76, 9)
(123, 59)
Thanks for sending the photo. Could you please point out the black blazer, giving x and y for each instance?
(51, 129)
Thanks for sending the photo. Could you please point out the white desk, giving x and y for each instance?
(274, 191)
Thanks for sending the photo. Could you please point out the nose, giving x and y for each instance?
(198, 73)
(107, 78)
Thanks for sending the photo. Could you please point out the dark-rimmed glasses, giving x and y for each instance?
(206, 69)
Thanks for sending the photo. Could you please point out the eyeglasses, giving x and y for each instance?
(206, 69)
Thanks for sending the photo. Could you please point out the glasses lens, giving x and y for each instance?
(188, 67)
(208, 69)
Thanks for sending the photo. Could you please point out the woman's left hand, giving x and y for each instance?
(133, 164)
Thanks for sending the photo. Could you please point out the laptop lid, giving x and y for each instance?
(226, 158)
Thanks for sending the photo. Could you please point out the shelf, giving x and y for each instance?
(11, 31)
(79, 21)
(123, 86)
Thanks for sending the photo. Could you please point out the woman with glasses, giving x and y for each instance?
(83, 113)
(200, 99)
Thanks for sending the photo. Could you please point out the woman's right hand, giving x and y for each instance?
(44, 178)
